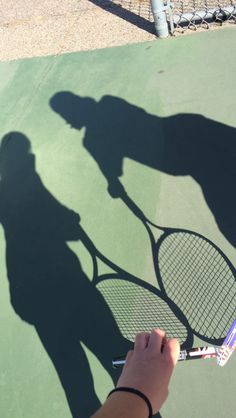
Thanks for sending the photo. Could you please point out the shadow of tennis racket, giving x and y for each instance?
(135, 304)
(195, 274)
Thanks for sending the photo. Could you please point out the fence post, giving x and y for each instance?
(158, 10)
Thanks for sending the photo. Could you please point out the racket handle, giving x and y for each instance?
(190, 354)
(228, 346)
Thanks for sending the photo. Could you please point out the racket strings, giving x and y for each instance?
(199, 280)
(137, 309)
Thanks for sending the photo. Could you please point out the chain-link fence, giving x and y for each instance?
(181, 15)
(196, 14)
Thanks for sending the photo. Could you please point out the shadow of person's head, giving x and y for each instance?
(14, 152)
(76, 110)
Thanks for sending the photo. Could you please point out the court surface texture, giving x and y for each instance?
(83, 135)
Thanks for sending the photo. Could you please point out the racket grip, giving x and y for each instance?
(190, 354)
(118, 362)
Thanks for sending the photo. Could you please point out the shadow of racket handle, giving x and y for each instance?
(191, 354)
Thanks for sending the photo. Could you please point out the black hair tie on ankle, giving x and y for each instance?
(138, 393)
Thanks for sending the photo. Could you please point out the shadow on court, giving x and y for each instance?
(183, 144)
(48, 287)
(180, 145)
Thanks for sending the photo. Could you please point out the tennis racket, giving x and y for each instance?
(222, 354)
(195, 353)
(195, 274)
(135, 304)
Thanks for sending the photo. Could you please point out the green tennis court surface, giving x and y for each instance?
(83, 135)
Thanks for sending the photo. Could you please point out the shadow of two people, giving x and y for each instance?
(180, 145)
(48, 287)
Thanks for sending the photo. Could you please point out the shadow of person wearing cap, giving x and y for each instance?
(180, 145)
(48, 287)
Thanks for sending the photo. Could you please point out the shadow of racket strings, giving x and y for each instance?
(195, 274)
(135, 304)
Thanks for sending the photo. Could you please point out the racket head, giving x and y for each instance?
(197, 276)
(138, 306)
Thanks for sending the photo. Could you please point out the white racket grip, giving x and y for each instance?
(228, 346)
